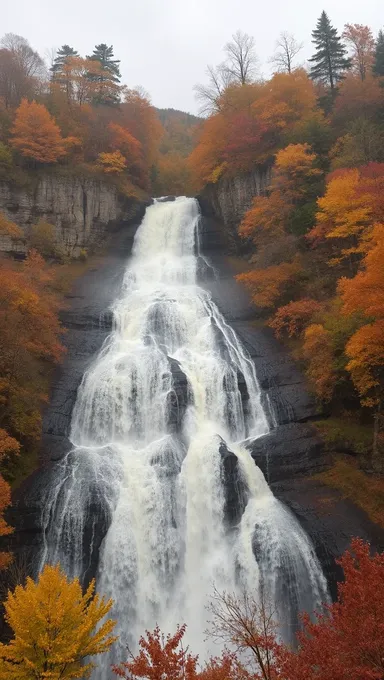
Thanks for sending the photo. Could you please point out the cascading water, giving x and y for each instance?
(157, 463)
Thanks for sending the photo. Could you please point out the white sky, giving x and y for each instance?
(165, 45)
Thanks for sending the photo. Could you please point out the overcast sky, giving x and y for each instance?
(165, 45)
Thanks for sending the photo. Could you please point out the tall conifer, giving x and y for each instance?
(378, 64)
(329, 61)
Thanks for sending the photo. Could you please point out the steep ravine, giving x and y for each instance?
(288, 456)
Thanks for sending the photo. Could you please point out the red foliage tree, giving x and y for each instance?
(347, 642)
(160, 657)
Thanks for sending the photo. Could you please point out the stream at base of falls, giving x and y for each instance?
(159, 462)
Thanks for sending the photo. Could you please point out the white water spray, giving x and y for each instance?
(156, 416)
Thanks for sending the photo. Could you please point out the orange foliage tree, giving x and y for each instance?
(8, 446)
(253, 122)
(267, 286)
(354, 198)
(292, 179)
(29, 333)
(36, 135)
(365, 293)
(319, 352)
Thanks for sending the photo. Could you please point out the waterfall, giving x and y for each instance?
(157, 466)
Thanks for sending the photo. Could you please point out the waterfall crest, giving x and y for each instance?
(158, 466)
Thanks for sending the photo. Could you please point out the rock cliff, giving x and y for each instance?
(230, 198)
(81, 209)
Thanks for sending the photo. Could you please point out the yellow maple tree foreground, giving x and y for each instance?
(55, 628)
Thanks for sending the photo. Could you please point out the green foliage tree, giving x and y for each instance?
(378, 64)
(62, 55)
(330, 60)
(109, 74)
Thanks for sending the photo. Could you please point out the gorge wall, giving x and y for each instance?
(229, 199)
(81, 209)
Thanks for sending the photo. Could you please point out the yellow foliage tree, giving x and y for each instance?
(112, 163)
(43, 239)
(344, 213)
(55, 628)
(9, 228)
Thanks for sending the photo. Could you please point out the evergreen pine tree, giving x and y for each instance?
(104, 54)
(330, 60)
(378, 64)
(108, 78)
(62, 54)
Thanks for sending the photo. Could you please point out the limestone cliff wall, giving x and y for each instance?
(231, 197)
(81, 209)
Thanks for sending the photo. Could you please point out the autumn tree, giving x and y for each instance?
(29, 334)
(353, 198)
(360, 39)
(112, 163)
(35, 134)
(329, 61)
(287, 48)
(294, 181)
(43, 239)
(347, 641)
(173, 176)
(378, 62)
(270, 285)
(9, 446)
(319, 353)
(56, 629)
(9, 228)
(292, 319)
(160, 656)
(139, 117)
(27, 59)
(21, 70)
(365, 349)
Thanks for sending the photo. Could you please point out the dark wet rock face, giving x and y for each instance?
(236, 491)
(178, 398)
(292, 453)
(166, 199)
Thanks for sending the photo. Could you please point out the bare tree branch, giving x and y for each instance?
(287, 48)
(246, 624)
(239, 68)
(30, 61)
(209, 95)
(242, 60)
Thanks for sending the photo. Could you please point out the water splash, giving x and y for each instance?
(157, 466)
